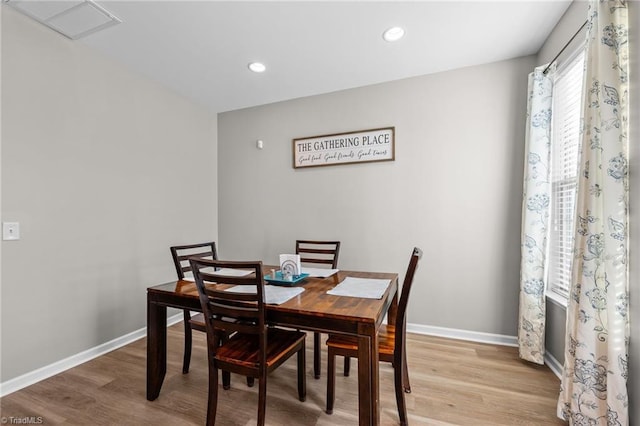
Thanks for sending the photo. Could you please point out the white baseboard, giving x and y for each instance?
(553, 364)
(473, 336)
(57, 367)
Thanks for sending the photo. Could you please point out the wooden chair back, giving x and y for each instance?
(181, 255)
(319, 252)
(241, 312)
(401, 315)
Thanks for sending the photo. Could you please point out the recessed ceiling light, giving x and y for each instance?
(393, 34)
(257, 67)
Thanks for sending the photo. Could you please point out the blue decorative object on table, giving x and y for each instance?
(280, 279)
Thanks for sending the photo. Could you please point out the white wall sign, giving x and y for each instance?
(345, 148)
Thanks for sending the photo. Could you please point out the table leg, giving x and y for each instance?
(392, 313)
(368, 380)
(156, 348)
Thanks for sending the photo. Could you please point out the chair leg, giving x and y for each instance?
(250, 381)
(331, 380)
(347, 366)
(262, 399)
(398, 376)
(226, 376)
(187, 342)
(302, 374)
(212, 402)
(226, 380)
(406, 386)
(316, 355)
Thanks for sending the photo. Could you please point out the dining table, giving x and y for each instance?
(313, 310)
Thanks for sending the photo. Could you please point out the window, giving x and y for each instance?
(565, 144)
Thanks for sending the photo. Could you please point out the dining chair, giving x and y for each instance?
(391, 346)
(181, 255)
(321, 253)
(253, 349)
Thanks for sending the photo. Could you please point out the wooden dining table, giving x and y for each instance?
(312, 310)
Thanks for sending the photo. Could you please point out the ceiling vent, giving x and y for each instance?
(72, 18)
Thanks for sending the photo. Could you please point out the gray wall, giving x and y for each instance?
(454, 189)
(98, 166)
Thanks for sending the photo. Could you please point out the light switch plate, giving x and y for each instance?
(10, 231)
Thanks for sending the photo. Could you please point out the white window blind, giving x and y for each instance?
(565, 147)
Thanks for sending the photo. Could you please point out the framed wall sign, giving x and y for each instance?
(344, 148)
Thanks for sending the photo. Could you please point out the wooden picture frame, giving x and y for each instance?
(361, 146)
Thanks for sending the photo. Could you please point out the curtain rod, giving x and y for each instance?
(562, 50)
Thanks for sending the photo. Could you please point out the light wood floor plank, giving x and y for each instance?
(453, 383)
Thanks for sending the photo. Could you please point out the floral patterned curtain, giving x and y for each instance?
(535, 218)
(594, 382)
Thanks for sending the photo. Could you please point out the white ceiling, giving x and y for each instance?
(201, 48)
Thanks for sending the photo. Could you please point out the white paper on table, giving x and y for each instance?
(368, 288)
(273, 294)
(319, 272)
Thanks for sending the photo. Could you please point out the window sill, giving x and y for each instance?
(557, 299)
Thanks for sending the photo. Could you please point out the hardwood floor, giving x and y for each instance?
(453, 383)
